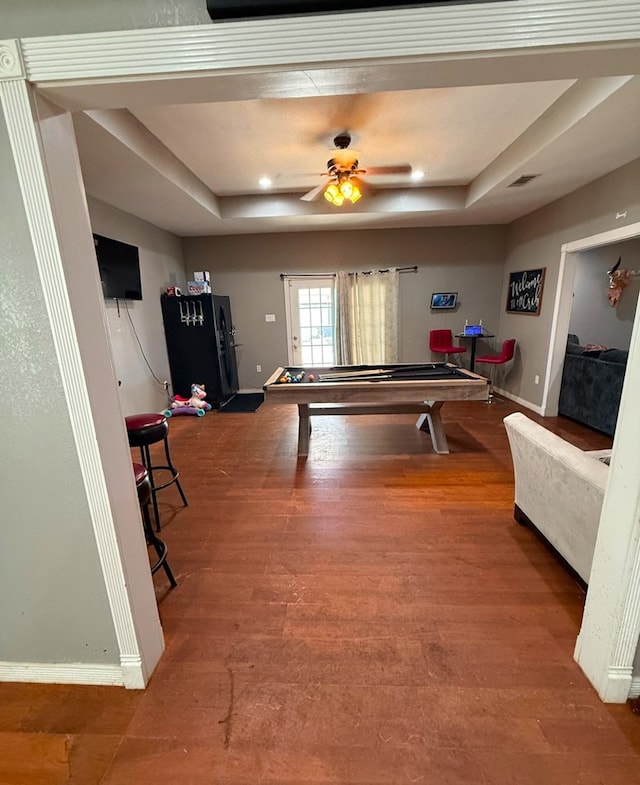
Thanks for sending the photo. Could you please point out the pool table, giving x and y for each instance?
(367, 389)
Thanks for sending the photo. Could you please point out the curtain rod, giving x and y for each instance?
(413, 269)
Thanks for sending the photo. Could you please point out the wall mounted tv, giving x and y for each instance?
(237, 9)
(119, 266)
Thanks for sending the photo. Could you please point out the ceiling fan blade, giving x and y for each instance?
(314, 193)
(399, 169)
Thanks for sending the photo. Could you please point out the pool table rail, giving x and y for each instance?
(470, 388)
(423, 396)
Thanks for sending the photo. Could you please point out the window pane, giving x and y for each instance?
(305, 336)
(304, 296)
(315, 324)
(316, 316)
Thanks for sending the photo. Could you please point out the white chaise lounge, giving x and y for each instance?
(559, 489)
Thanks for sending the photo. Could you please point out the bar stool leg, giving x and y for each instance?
(158, 545)
(491, 383)
(175, 473)
(146, 462)
(451, 358)
(145, 454)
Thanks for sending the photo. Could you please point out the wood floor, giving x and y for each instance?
(369, 615)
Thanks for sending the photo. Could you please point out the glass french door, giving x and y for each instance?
(309, 302)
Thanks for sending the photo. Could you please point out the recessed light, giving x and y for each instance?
(265, 182)
(417, 174)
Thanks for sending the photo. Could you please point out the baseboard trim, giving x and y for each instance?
(517, 399)
(63, 673)
(634, 690)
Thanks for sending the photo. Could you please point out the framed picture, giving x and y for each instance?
(524, 294)
(443, 300)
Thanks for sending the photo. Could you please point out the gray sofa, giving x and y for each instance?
(559, 489)
(591, 385)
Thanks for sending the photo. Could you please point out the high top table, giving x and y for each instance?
(473, 339)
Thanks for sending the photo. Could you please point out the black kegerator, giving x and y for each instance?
(201, 346)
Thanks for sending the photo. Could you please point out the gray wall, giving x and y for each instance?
(536, 241)
(593, 320)
(35, 17)
(161, 265)
(468, 260)
(53, 605)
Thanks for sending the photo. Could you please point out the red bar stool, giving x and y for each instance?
(143, 485)
(144, 430)
(493, 360)
(441, 342)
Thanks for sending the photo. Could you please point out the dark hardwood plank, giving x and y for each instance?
(372, 614)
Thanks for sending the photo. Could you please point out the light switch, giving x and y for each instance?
(269, 317)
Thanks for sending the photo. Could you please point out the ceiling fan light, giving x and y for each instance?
(355, 194)
(346, 189)
(330, 192)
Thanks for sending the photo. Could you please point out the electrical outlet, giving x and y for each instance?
(536, 379)
(165, 384)
(269, 317)
(259, 368)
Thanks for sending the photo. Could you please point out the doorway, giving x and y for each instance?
(310, 314)
(563, 305)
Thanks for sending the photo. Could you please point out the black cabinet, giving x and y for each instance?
(200, 343)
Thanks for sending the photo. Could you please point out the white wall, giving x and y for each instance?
(593, 320)
(161, 265)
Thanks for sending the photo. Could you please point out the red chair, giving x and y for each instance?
(441, 342)
(493, 360)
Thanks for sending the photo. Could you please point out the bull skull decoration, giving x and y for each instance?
(618, 280)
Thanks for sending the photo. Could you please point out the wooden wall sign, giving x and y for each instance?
(525, 291)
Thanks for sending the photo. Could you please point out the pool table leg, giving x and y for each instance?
(433, 422)
(304, 429)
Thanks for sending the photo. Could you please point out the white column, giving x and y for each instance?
(608, 639)
(45, 156)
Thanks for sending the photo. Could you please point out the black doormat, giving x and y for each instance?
(243, 402)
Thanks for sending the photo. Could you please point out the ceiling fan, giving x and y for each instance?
(343, 170)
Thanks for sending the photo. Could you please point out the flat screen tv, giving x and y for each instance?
(119, 266)
(235, 9)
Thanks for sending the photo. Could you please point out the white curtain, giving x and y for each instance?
(367, 317)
